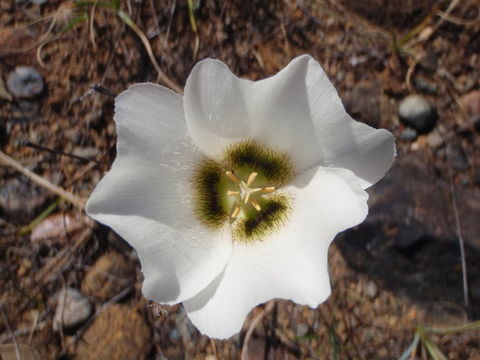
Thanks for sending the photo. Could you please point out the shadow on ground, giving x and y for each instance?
(409, 244)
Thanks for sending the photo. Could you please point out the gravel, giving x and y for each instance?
(25, 82)
(416, 112)
(73, 308)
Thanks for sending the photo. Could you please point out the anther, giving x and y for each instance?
(232, 176)
(256, 205)
(268, 189)
(233, 193)
(251, 178)
(235, 212)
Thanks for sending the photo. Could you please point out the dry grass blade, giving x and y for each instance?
(9, 330)
(63, 258)
(427, 32)
(456, 329)
(68, 196)
(193, 24)
(458, 229)
(253, 325)
(161, 75)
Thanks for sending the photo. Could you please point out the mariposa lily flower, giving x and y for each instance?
(232, 193)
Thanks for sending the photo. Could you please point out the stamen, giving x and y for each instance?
(235, 212)
(245, 192)
(232, 176)
(256, 205)
(251, 178)
(268, 189)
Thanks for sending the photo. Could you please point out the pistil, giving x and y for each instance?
(246, 193)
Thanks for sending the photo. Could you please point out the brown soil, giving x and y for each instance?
(386, 278)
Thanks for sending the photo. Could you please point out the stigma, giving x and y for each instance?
(246, 194)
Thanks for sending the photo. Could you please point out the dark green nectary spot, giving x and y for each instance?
(272, 217)
(275, 166)
(207, 186)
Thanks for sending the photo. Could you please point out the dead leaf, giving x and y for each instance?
(57, 227)
(26, 352)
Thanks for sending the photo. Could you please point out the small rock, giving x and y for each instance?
(429, 62)
(25, 352)
(371, 289)
(175, 335)
(73, 308)
(408, 134)
(464, 180)
(417, 113)
(56, 228)
(425, 86)
(14, 38)
(4, 94)
(3, 135)
(25, 82)
(457, 157)
(20, 199)
(476, 176)
(409, 238)
(93, 117)
(364, 103)
(89, 152)
(471, 103)
(110, 274)
(118, 333)
(27, 107)
(434, 139)
(302, 330)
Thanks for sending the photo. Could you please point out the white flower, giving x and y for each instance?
(232, 193)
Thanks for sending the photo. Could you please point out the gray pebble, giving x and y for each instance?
(27, 107)
(408, 134)
(458, 158)
(302, 330)
(4, 94)
(425, 86)
(175, 335)
(417, 113)
(476, 176)
(20, 199)
(89, 152)
(371, 289)
(409, 238)
(471, 103)
(363, 102)
(73, 308)
(25, 82)
(434, 139)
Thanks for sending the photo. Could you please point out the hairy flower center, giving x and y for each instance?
(239, 190)
(246, 195)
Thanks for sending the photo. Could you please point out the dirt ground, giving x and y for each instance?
(394, 277)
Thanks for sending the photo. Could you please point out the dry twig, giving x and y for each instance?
(459, 235)
(12, 335)
(63, 258)
(253, 325)
(68, 196)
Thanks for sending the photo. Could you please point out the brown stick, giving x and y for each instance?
(68, 196)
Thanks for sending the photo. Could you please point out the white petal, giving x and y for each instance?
(299, 111)
(214, 107)
(291, 264)
(145, 197)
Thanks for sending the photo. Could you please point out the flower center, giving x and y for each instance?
(246, 194)
(238, 190)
